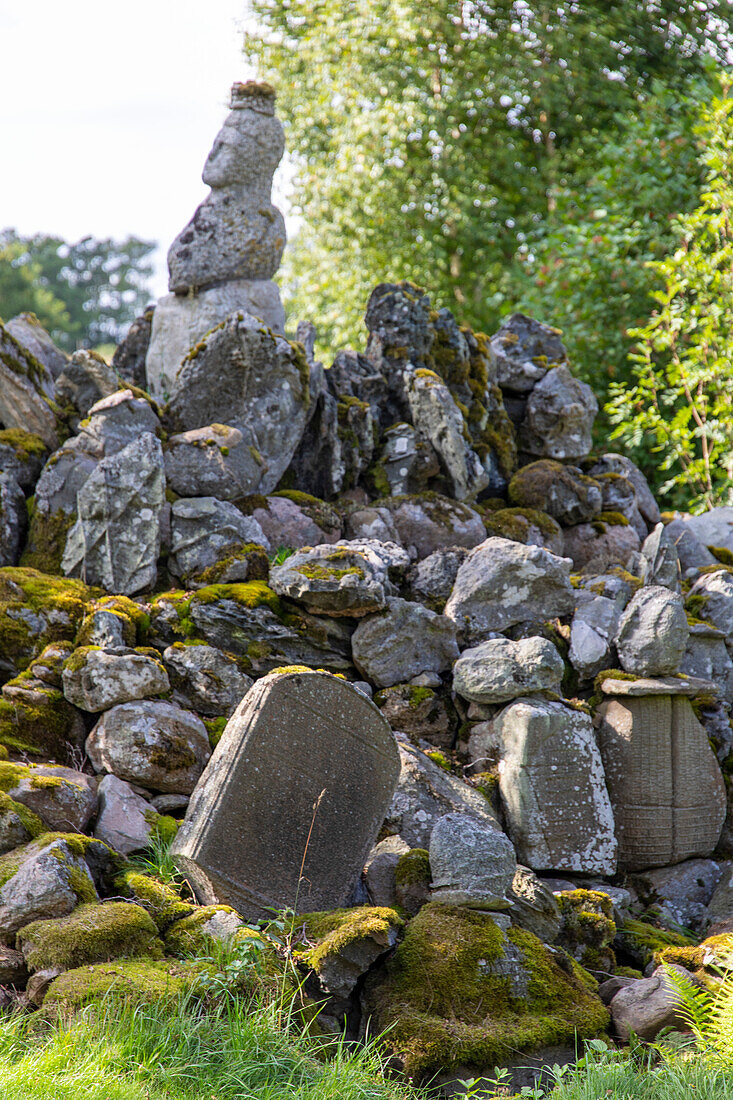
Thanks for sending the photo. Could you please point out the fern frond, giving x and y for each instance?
(696, 1004)
(720, 1021)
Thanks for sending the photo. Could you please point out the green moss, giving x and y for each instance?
(316, 571)
(440, 759)
(25, 444)
(249, 594)
(46, 539)
(696, 604)
(258, 565)
(134, 619)
(515, 523)
(628, 972)
(187, 935)
(721, 553)
(36, 609)
(333, 931)
(413, 868)
(418, 695)
(38, 724)
(647, 942)
(215, 728)
(588, 928)
(31, 822)
(134, 981)
(451, 996)
(91, 934)
(159, 899)
(612, 674)
(613, 519)
(698, 957)
(173, 754)
(163, 828)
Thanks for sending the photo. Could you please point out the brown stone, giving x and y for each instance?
(306, 764)
(666, 788)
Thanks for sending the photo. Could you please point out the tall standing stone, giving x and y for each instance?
(223, 261)
(292, 799)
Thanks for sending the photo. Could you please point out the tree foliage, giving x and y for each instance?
(101, 284)
(430, 139)
(680, 402)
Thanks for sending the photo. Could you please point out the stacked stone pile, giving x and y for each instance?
(394, 605)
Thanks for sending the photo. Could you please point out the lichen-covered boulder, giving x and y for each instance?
(564, 492)
(154, 744)
(553, 789)
(44, 879)
(125, 820)
(348, 578)
(206, 531)
(115, 541)
(436, 415)
(501, 583)
(680, 894)
(607, 541)
(91, 934)
(460, 993)
(499, 670)
(205, 679)
(711, 599)
(523, 350)
(424, 793)
(401, 642)
(195, 932)
(406, 462)
(428, 522)
(526, 525)
(62, 798)
(35, 610)
(558, 420)
(244, 376)
(96, 679)
(652, 632)
(587, 929)
(36, 720)
(149, 982)
(472, 863)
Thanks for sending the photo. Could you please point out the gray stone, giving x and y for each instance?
(181, 322)
(129, 356)
(28, 331)
(691, 552)
(660, 560)
(403, 641)
(646, 1007)
(592, 632)
(499, 670)
(533, 905)
(472, 863)
(619, 464)
(600, 545)
(502, 582)
(659, 685)
(523, 350)
(436, 415)
(665, 785)
(564, 492)
(719, 908)
(286, 523)
(425, 793)
(22, 460)
(682, 893)
(431, 522)
(209, 461)
(340, 969)
(86, 379)
(236, 233)
(707, 658)
(26, 391)
(423, 715)
(97, 679)
(116, 421)
(337, 444)
(716, 590)
(379, 870)
(652, 632)
(15, 828)
(45, 885)
(245, 376)
(712, 528)
(64, 799)
(285, 814)
(552, 787)
(348, 578)
(558, 421)
(528, 526)
(619, 495)
(432, 579)
(152, 743)
(407, 459)
(204, 531)
(354, 375)
(209, 681)
(115, 542)
(13, 519)
(369, 522)
(125, 819)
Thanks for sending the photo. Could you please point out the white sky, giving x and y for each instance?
(107, 112)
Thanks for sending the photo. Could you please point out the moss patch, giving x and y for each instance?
(91, 934)
(39, 723)
(459, 993)
(413, 868)
(160, 900)
(36, 609)
(187, 936)
(332, 932)
(252, 554)
(135, 981)
(588, 928)
(24, 444)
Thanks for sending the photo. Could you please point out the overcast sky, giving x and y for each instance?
(107, 112)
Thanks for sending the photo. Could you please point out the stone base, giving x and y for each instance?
(180, 322)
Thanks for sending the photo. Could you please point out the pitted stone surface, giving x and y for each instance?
(403, 641)
(205, 531)
(665, 785)
(99, 679)
(499, 670)
(558, 422)
(304, 754)
(472, 863)
(207, 680)
(551, 779)
(346, 578)
(653, 632)
(523, 350)
(437, 416)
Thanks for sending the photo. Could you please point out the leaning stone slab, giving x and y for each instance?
(290, 805)
(552, 786)
(666, 788)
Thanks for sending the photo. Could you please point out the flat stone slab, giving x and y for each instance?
(662, 685)
(305, 762)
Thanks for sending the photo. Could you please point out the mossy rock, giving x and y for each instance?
(644, 942)
(251, 555)
(335, 931)
(91, 934)
(588, 928)
(460, 993)
(193, 933)
(39, 722)
(700, 958)
(134, 620)
(517, 523)
(133, 981)
(160, 900)
(36, 609)
(105, 862)
(320, 511)
(25, 445)
(46, 538)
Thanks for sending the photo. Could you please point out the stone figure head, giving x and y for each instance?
(251, 142)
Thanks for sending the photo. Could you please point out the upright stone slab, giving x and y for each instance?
(666, 788)
(297, 737)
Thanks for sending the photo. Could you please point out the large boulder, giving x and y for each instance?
(26, 391)
(472, 863)
(45, 879)
(402, 641)
(97, 679)
(558, 421)
(523, 350)
(660, 562)
(564, 492)
(429, 522)
(348, 578)
(712, 528)
(499, 670)
(652, 632)
(501, 583)
(553, 789)
(206, 680)
(244, 376)
(205, 531)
